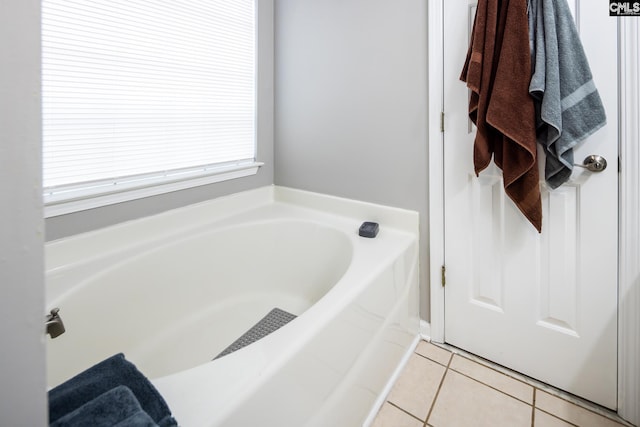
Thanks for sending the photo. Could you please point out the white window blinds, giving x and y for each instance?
(134, 89)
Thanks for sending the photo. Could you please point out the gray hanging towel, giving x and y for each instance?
(568, 107)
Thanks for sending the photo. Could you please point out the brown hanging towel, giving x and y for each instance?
(498, 72)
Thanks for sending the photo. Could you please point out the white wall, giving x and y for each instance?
(351, 103)
(22, 358)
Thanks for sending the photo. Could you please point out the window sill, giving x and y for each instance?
(76, 200)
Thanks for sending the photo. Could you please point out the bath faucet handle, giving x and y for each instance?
(53, 323)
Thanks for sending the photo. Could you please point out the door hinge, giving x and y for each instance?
(443, 278)
(442, 121)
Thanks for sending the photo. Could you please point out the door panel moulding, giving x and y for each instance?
(629, 237)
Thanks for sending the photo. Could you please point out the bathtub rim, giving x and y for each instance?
(67, 255)
(223, 207)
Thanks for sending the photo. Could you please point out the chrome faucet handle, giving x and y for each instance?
(53, 323)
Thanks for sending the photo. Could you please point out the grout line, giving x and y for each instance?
(604, 413)
(493, 366)
(583, 404)
(408, 413)
(491, 387)
(435, 397)
(557, 417)
(533, 408)
(435, 361)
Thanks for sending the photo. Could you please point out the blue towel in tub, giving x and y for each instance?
(117, 407)
(101, 378)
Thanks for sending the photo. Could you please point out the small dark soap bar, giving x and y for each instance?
(369, 229)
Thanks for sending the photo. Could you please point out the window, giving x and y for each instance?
(142, 97)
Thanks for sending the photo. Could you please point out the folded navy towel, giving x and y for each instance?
(103, 377)
(117, 407)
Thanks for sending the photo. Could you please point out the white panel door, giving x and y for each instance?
(541, 304)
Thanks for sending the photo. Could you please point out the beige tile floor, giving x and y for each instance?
(438, 388)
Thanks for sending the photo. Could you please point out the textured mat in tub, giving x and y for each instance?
(273, 321)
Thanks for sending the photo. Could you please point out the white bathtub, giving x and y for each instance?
(173, 290)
